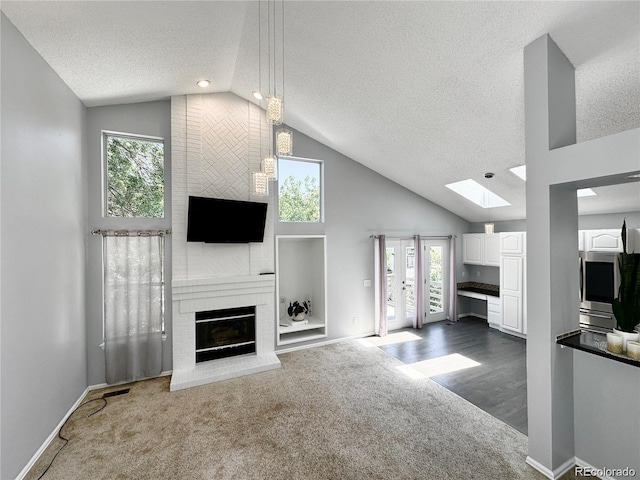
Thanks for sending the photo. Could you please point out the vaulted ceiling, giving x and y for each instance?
(425, 93)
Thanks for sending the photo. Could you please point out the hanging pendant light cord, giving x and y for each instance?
(260, 70)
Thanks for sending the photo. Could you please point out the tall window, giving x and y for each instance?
(134, 176)
(300, 192)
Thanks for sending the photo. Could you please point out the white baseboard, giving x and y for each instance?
(326, 342)
(462, 315)
(51, 437)
(54, 434)
(555, 474)
(98, 386)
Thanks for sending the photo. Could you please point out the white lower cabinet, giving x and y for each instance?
(512, 293)
(494, 311)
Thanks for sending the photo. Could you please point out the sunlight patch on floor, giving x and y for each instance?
(437, 366)
(390, 339)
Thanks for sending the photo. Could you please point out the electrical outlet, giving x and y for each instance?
(477, 274)
(354, 320)
(367, 283)
(281, 299)
(464, 274)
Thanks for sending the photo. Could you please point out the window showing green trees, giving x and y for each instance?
(299, 195)
(135, 177)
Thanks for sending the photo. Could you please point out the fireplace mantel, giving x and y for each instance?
(212, 293)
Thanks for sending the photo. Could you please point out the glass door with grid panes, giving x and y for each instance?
(400, 283)
(436, 278)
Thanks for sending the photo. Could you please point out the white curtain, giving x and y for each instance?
(380, 267)
(419, 283)
(453, 281)
(133, 307)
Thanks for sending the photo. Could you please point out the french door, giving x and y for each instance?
(401, 269)
(401, 282)
(435, 259)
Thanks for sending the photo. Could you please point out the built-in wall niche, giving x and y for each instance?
(301, 276)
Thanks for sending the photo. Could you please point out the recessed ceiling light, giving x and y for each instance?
(586, 192)
(257, 95)
(520, 171)
(472, 190)
(203, 83)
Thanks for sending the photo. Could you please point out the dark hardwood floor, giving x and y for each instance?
(498, 385)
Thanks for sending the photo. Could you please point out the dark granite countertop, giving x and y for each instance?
(596, 344)
(483, 288)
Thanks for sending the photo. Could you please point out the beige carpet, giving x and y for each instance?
(342, 411)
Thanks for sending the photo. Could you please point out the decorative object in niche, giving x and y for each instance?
(298, 311)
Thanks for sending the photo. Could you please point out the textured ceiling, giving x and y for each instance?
(425, 93)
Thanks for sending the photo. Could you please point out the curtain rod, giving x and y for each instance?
(426, 237)
(126, 233)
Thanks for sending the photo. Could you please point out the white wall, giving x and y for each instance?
(43, 231)
(150, 119)
(564, 419)
(359, 203)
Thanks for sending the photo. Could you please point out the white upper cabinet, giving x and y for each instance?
(602, 240)
(473, 248)
(492, 250)
(581, 240)
(512, 243)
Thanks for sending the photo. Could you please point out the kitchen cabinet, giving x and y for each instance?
(602, 240)
(608, 240)
(473, 248)
(512, 243)
(481, 249)
(581, 240)
(492, 250)
(494, 311)
(513, 282)
(512, 292)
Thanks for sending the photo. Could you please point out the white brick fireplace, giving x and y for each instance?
(216, 142)
(216, 293)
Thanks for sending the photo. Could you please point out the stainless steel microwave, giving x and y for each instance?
(599, 283)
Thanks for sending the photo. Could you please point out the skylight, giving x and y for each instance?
(521, 172)
(586, 192)
(472, 190)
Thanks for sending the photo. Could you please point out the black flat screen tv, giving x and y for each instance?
(216, 220)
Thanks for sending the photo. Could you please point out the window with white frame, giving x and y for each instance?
(300, 190)
(134, 176)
